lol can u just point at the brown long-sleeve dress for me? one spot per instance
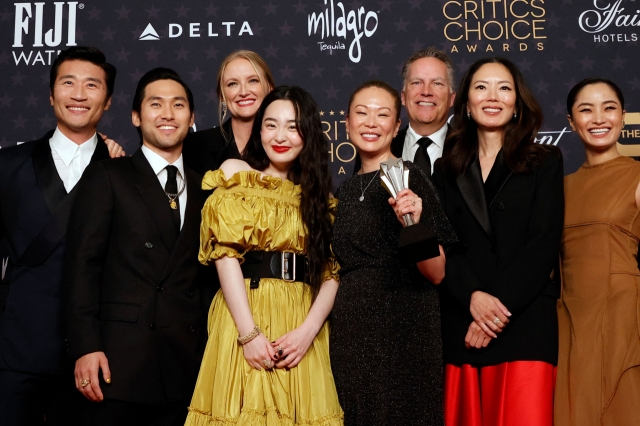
(598, 380)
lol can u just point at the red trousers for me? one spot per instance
(516, 393)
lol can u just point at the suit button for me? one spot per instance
(148, 245)
(159, 288)
(500, 207)
(192, 329)
(153, 326)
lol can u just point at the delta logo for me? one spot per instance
(195, 30)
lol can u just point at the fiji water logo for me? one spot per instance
(334, 21)
(602, 17)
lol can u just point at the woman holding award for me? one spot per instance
(386, 353)
(598, 380)
(504, 197)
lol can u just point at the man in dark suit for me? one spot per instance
(135, 303)
(37, 181)
(427, 94)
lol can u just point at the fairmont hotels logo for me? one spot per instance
(336, 23)
(608, 22)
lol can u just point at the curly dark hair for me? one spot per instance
(310, 170)
(520, 152)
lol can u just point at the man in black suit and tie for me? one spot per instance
(427, 94)
(37, 181)
(135, 302)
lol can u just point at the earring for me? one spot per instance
(469, 115)
(224, 109)
(515, 115)
(623, 124)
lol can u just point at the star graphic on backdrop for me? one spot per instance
(301, 50)
(122, 140)
(587, 64)
(182, 11)
(300, 7)
(385, 5)
(321, 113)
(17, 78)
(181, 54)
(463, 65)
(123, 13)
(618, 62)
(417, 45)
(94, 13)
(152, 54)
(136, 75)
(415, 4)
(316, 71)
(211, 52)
(431, 24)
(44, 78)
(47, 121)
(555, 64)
(211, 96)
(270, 9)
(373, 69)
(5, 101)
(106, 120)
(241, 9)
(32, 100)
(286, 72)
(123, 55)
(341, 112)
(553, 20)
(257, 30)
(135, 34)
(446, 45)
(346, 70)
(196, 75)
(211, 10)
(4, 57)
(152, 12)
(542, 86)
(387, 47)
(558, 108)
(272, 50)
(332, 93)
(355, 5)
(19, 122)
(569, 84)
(569, 42)
(332, 113)
(80, 34)
(635, 85)
(285, 29)
(107, 34)
(401, 25)
(121, 98)
(525, 65)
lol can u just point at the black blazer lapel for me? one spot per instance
(101, 152)
(472, 191)
(46, 174)
(501, 173)
(397, 144)
(155, 199)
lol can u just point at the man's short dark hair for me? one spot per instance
(89, 54)
(431, 52)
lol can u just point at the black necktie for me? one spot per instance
(171, 188)
(422, 158)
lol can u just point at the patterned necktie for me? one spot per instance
(171, 189)
(422, 158)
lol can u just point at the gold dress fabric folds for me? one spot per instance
(253, 212)
(598, 379)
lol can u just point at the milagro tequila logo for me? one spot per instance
(24, 13)
(602, 17)
(334, 21)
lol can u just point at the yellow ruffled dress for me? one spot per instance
(253, 212)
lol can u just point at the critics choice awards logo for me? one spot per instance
(497, 23)
(340, 26)
(606, 21)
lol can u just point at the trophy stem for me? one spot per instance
(408, 219)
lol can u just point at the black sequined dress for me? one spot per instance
(385, 344)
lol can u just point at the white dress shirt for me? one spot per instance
(159, 164)
(70, 158)
(434, 150)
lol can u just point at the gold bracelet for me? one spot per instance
(243, 340)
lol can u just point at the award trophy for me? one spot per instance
(416, 242)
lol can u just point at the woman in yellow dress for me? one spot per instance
(267, 227)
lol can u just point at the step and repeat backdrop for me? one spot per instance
(328, 47)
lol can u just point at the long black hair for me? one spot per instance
(310, 170)
(520, 152)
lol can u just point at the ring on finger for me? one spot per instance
(267, 363)
(279, 348)
(496, 321)
(85, 382)
(413, 202)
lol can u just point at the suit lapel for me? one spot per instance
(46, 174)
(472, 190)
(398, 143)
(156, 200)
(498, 177)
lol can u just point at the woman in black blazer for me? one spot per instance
(244, 79)
(503, 195)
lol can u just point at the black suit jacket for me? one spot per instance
(34, 214)
(207, 149)
(509, 246)
(132, 288)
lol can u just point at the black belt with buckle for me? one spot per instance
(280, 265)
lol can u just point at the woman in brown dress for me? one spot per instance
(598, 381)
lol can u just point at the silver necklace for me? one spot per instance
(363, 190)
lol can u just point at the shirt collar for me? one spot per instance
(437, 137)
(66, 148)
(158, 163)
